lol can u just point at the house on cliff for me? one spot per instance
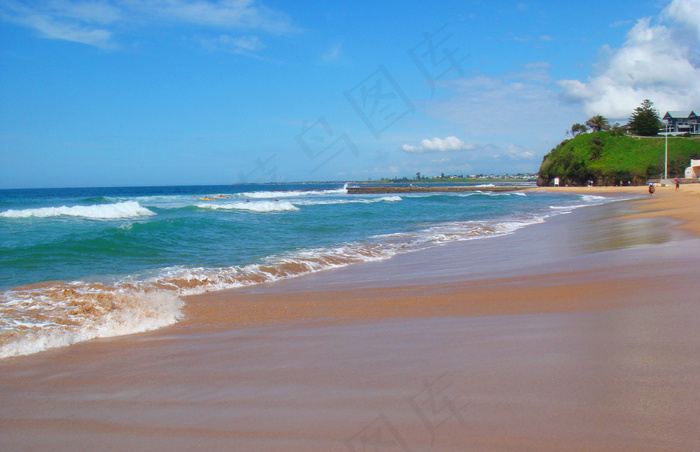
(682, 122)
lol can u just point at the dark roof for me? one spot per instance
(680, 114)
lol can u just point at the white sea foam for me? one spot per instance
(192, 281)
(586, 201)
(279, 206)
(567, 208)
(294, 193)
(255, 206)
(314, 202)
(479, 229)
(50, 323)
(594, 199)
(127, 209)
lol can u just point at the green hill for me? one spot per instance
(607, 159)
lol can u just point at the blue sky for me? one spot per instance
(179, 92)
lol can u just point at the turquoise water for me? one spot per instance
(82, 263)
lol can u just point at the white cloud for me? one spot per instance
(75, 22)
(685, 13)
(96, 23)
(658, 62)
(523, 104)
(516, 152)
(512, 119)
(92, 12)
(620, 23)
(438, 145)
(334, 55)
(221, 14)
(238, 45)
(50, 28)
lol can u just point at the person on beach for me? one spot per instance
(678, 183)
(651, 189)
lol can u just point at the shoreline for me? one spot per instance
(257, 305)
(682, 205)
(584, 339)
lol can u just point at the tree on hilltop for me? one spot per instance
(598, 123)
(645, 120)
(578, 128)
(618, 130)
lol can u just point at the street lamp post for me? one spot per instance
(666, 154)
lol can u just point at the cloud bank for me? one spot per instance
(438, 145)
(659, 60)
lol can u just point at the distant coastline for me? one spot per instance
(429, 188)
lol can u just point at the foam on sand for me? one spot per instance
(62, 315)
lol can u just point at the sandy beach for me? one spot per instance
(586, 340)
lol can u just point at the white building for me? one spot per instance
(693, 171)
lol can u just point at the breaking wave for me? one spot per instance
(127, 209)
(48, 315)
(55, 314)
(294, 193)
(37, 319)
(254, 206)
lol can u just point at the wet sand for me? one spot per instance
(577, 334)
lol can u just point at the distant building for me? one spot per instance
(682, 122)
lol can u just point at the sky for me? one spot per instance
(199, 92)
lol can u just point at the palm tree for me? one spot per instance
(598, 123)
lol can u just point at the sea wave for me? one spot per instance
(460, 231)
(127, 209)
(313, 202)
(62, 313)
(48, 315)
(281, 206)
(37, 319)
(254, 206)
(594, 199)
(586, 201)
(294, 193)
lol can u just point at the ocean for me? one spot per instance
(82, 263)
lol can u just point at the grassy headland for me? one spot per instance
(607, 158)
